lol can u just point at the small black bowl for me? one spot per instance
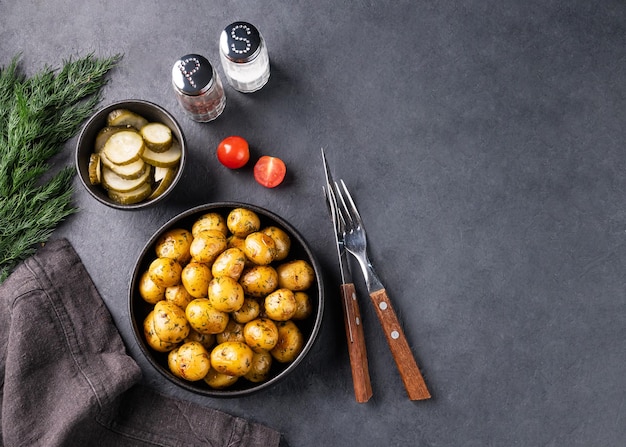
(139, 309)
(85, 146)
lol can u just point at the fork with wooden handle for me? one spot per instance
(355, 241)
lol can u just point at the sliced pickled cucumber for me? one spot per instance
(134, 159)
(112, 181)
(124, 117)
(157, 136)
(161, 173)
(94, 169)
(104, 134)
(128, 171)
(124, 147)
(132, 196)
(166, 159)
(164, 178)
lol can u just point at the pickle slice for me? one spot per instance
(94, 169)
(124, 117)
(132, 196)
(124, 147)
(103, 135)
(112, 181)
(164, 177)
(167, 159)
(129, 171)
(157, 136)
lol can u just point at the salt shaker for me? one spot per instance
(198, 88)
(244, 57)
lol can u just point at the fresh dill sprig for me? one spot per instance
(37, 116)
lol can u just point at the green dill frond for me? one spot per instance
(37, 116)
(9, 77)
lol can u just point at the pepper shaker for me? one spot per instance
(198, 88)
(244, 57)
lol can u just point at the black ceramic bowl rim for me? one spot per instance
(150, 111)
(138, 308)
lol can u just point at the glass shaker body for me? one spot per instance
(198, 88)
(244, 57)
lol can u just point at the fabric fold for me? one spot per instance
(67, 379)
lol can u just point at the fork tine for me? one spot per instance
(341, 220)
(342, 208)
(331, 192)
(333, 210)
(349, 209)
(353, 209)
(331, 200)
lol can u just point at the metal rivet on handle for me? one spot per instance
(395, 335)
(382, 305)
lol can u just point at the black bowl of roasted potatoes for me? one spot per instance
(130, 154)
(226, 299)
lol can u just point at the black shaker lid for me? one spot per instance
(240, 42)
(192, 74)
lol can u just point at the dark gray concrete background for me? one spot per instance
(484, 142)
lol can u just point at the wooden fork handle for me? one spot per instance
(409, 371)
(356, 344)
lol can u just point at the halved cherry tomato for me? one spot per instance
(233, 152)
(269, 171)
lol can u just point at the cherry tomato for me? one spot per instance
(269, 171)
(233, 152)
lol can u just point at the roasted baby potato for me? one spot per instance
(233, 332)
(207, 245)
(295, 275)
(165, 272)
(290, 342)
(235, 241)
(241, 222)
(190, 361)
(196, 277)
(150, 291)
(232, 358)
(209, 221)
(260, 368)
(259, 280)
(204, 318)
(206, 340)
(280, 305)
(281, 241)
(304, 306)
(230, 262)
(259, 248)
(226, 294)
(261, 334)
(178, 295)
(151, 337)
(248, 312)
(218, 380)
(174, 244)
(239, 242)
(170, 323)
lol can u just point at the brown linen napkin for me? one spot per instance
(66, 377)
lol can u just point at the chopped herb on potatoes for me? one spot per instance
(248, 304)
